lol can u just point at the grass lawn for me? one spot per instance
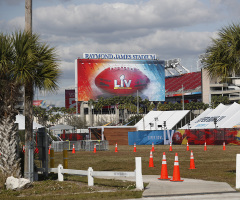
(213, 164)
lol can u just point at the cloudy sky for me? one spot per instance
(168, 28)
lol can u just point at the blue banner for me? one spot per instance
(146, 137)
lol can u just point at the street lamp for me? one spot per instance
(151, 125)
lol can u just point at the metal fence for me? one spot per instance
(87, 145)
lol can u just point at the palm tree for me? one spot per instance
(34, 66)
(9, 161)
(222, 57)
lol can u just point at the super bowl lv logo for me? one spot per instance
(123, 83)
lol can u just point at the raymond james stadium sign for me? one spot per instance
(119, 56)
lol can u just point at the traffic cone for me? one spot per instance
(151, 160)
(176, 171)
(73, 150)
(192, 164)
(49, 148)
(205, 146)
(23, 149)
(134, 148)
(116, 148)
(94, 149)
(170, 148)
(224, 147)
(187, 147)
(153, 147)
(164, 173)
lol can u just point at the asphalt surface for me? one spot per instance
(187, 189)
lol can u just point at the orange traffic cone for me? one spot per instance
(94, 149)
(224, 147)
(116, 149)
(192, 164)
(176, 171)
(170, 148)
(73, 150)
(153, 147)
(205, 146)
(23, 149)
(49, 148)
(151, 160)
(187, 147)
(164, 173)
(134, 148)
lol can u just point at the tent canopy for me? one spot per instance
(223, 116)
(155, 119)
(61, 127)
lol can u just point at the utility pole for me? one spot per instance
(28, 16)
(28, 107)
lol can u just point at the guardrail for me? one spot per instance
(91, 174)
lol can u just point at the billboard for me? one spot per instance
(70, 101)
(39, 102)
(97, 78)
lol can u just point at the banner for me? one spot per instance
(210, 136)
(146, 137)
(192, 136)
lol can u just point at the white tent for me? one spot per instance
(20, 119)
(155, 119)
(58, 129)
(225, 116)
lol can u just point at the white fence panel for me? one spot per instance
(90, 173)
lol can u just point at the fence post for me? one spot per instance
(65, 159)
(60, 175)
(90, 178)
(138, 173)
(238, 171)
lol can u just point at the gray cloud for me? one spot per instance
(169, 28)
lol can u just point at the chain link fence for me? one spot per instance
(86, 145)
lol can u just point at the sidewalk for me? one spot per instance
(163, 189)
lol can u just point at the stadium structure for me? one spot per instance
(181, 84)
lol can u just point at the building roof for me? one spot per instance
(154, 120)
(226, 116)
(61, 127)
(20, 119)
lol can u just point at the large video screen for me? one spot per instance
(97, 78)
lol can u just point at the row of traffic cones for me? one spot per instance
(205, 146)
(134, 148)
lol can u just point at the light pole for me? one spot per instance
(215, 122)
(137, 104)
(164, 125)
(182, 98)
(156, 119)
